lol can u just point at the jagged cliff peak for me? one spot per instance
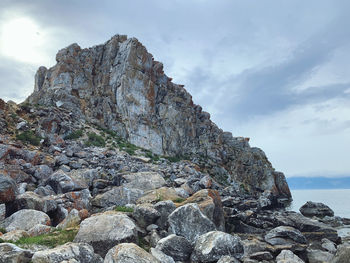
(120, 86)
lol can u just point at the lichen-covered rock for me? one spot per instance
(106, 230)
(165, 208)
(179, 248)
(188, 221)
(287, 256)
(211, 246)
(129, 253)
(62, 183)
(14, 235)
(161, 256)
(120, 86)
(145, 215)
(143, 180)
(228, 259)
(311, 209)
(72, 220)
(319, 256)
(8, 189)
(69, 251)
(284, 235)
(117, 196)
(10, 253)
(343, 254)
(30, 200)
(25, 219)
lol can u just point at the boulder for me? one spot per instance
(14, 235)
(117, 196)
(228, 259)
(10, 253)
(105, 230)
(143, 180)
(211, 246)
(161, 256)
(72, 220)
(161, 194)
(8, 189)
(42, 172)
(179, 248)
(145, 215)
(311, 209)
(72, 252)
(165, 208)
(287, 256)
(39, 230)
(188, 221)
(61, 183)
(318, 256)
(25, 219)
(284, 235)
(343, 254)
(209, 202)
(328, 245)
(30, 200)
(129, 253)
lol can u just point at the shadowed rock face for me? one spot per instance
(120, 86)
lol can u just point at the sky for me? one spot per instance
(274, 71)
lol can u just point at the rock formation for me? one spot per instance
(119, 86)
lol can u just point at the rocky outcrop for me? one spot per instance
(119, 85)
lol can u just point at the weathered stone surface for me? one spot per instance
(42, 172)
(105, 230)
(145, 215)
(212, 246)
(62, 183)
(328, 245)
(72, 220)
(209, 202)
(318, 256)
(311, 209)
(30, 200)
(154, 196)
(39, 230)
(228, 259)
(10, 253)
(129, 253)
(343, 254)
(143, 180)
(188, 221)
(161, 256)
(287, 256)
(14, 235)
(25, 219)
(119, 196)
(284, 235)
(69, 251)
(165, 208)
(179, 248)
(8, 189)
(121, 87)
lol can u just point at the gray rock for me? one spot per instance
(117, 196)
(311, 209)
(143, 180)
(105, 230)
(2, 211)
(343, 254)
(318, 256)
(14, 235)
(188, 221)
(42, 172)
(228, 259)
(287, 256)
(129, 253)
(212, 246)
(62, 183)
(145, 215)
(284, 235)
(328, 245)
(260, 256)
(39, 230)
(8, 189)
(69, 251)
(161, 256)
(10, 253)
(179, 248)
(30, 200)
(165, 208)
(25, 219)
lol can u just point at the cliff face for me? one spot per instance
(118, 85)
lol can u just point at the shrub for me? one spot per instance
(95, 140)
(74, 135)
(124, 209)
(3, 230)
(29, 137)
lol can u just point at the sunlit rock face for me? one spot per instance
(120, 86)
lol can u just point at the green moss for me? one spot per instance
(142, 243)
(95, 140)
(3, 230)
(124, 209)
(52, 239)
(29, 137)
(173, 159)
(74, 135)
(179, 200)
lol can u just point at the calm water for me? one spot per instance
(337, 199)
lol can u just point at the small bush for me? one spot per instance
(3, 230)
(74, 135)
(95, 140)
(124, 209)
(29, 137)
(53, 239)
(173, 159)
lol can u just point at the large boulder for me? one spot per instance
(143, 180)
(61, 183)
(10, 253)
(343, 254)
(72, 252)
(188, 221)
(179, 248)
(209, 202)
(117, 196)
(105, 230)
(319, 256)
(311, 209)
(156, 195)
(287, 256)
(211, 246)
(31, 200)
(165, 208)
(25, 219)
(129, 253)
(8, 189)
(285, 235)
(161, 256)
(145, 215)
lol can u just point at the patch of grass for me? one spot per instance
(74, 135)
(173, 159)
(95, 140)
(179, 200)
(159, 198)
(52, 239)
(128, 147)
(124, 209)
(3, 230)
(142, 243)
(29, 137)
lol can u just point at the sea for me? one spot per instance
(337, 199)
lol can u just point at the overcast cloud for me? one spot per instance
(275, 71)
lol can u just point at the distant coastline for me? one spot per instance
(303, 183)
